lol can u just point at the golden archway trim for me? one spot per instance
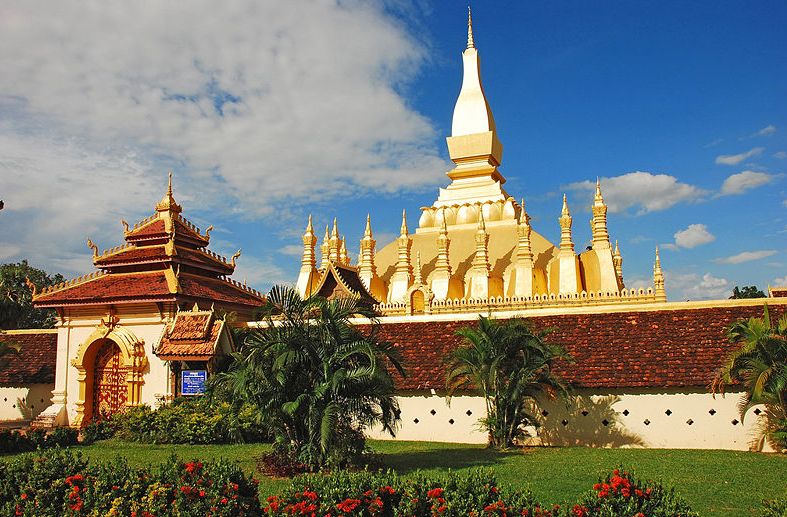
(132, 350)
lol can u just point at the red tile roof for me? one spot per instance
(108, 288)
(150, 229)
(133, 255)
(193, 335)
(35, 364)
(218, 290)
(660, 349)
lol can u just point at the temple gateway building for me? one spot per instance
(148, 324)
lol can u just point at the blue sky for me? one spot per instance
(269, 111)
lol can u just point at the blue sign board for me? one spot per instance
(193, 382)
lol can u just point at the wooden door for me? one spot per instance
(110, 389)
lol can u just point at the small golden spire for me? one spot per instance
(598, 199)
(403, 229)
(523, 217)
(658, 259)
(658, 279)
(418, 277)
(327, 235)
(481, 223)
(565, 207)
(167, 203)
(470, 42)
(309, 228)
(335, 231)
(367, 233)
(617, 250)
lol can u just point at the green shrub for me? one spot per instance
(62, 437)
(775, 507)
(620, 493)
(62, 483)
(97, 430)
(189, 420)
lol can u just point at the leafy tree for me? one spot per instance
(316, 379)
(759, 366)
(16, 306)
(512, 367)
(6, 350)
(748, 291)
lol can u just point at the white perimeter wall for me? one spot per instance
(696, 420)
(24, 403)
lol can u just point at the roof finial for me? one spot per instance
(470, 42)
(169, 184)
(403, 229)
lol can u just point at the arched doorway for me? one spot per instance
(110, 388)
(110, 366)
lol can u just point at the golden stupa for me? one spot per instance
(474, 248)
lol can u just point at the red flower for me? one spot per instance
(348, 505)
(307, 493)
(202, 493)
(435, 493)
(387, 490)
(185, 489)
(23, 496)
(579, 511)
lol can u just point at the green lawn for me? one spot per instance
(713, 482)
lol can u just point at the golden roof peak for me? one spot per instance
(335, 231)
(367, 233)
(168, 203)
(309, 228)
(403, 229)
(565, 210)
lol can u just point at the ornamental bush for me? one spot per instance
(189, 420)
(621, 494)
(775, 507)
(14, 441)
(63, 483)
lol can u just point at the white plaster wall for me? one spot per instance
(437, 427)
(625, 414)
(24, 403)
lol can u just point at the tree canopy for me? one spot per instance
(16, 305)
(747, 291)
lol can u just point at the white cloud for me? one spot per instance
(256, 105)
(260, 274)
(743, 181)
(766, 131)
(746, 256)
(690, 286)
(735, 159)
(693, 236)
(295, 250)
(781, 155)
(779, 282)
(646, 191)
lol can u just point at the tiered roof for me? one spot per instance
(193, 336)
(35, 362)
(164, 258)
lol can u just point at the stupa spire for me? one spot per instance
(658, 279)
(334, 243)
(325, 249)
(402, 278)
(599, 222)
(565, 228)
(308, 274)
(523, 265)
(479, 270)
(470, 42)
(617, 261)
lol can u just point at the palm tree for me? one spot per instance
(759, 365)
(512, 367)
(316, 379)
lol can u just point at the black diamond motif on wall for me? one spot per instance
(433, 412)
(605, 422)
(757, 411)
(451, 421)
(544, 413)
(734, 421)
(668, 412)
(564, 422)
(689, 421)
(584, 412)
(416, 421)
(646, 422)
(712, 411)
(625, 412)
(468, 412)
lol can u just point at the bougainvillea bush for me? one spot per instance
(64, 483)
(622, 494)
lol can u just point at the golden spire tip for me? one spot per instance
(470, 42)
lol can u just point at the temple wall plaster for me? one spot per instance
(715, 422)
(25, 402)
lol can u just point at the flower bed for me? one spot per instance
(476, 494)
(63, 483)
